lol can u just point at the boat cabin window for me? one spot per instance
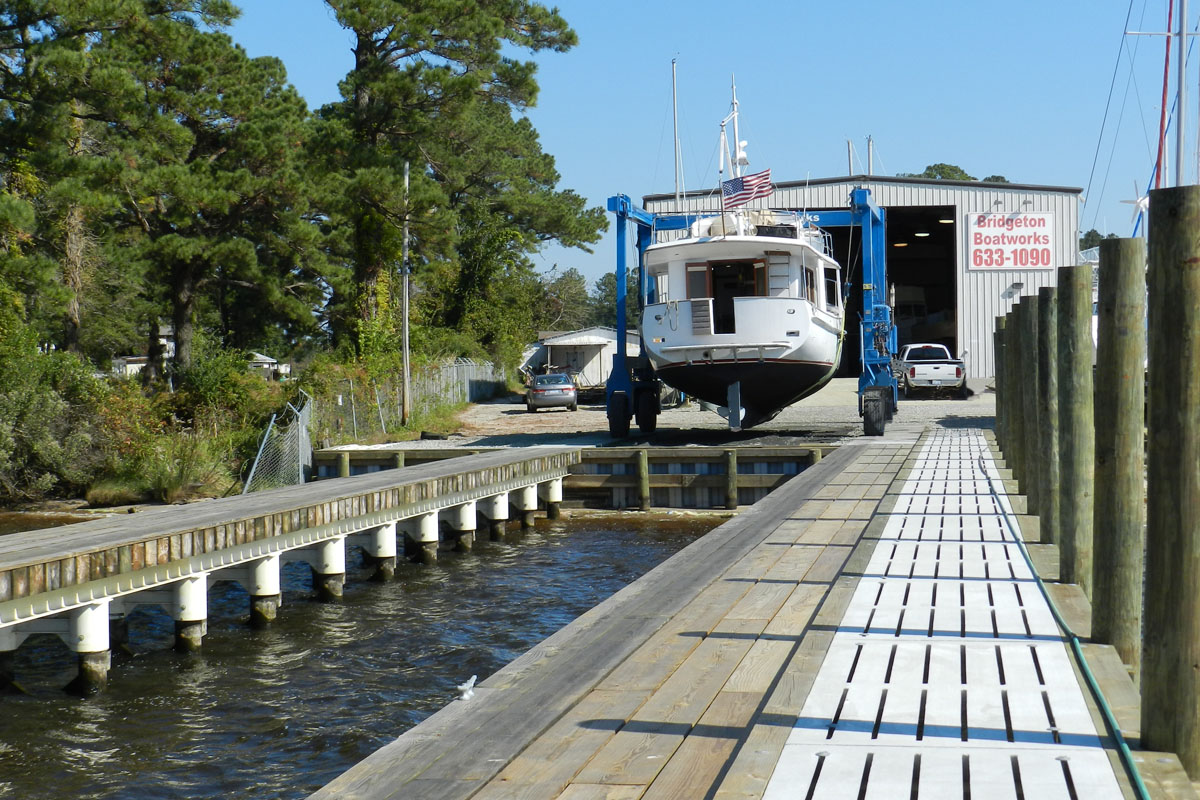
(833, 297)
(697, 281)
(659, 286)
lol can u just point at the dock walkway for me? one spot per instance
(871, 629)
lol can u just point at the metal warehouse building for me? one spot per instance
(960, 253)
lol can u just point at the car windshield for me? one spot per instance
(552, 380)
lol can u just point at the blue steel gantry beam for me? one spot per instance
(877, 388)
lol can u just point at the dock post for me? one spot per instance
(731, 480)
(998, 345)
(1076, 432)
(495, 510)
(1014, 431)
(462, 521)
(425, 535)
(814, 456)
(1050, 489)
(88, 637)
(380, 550)
(1118, 529)
(643, 474)
(264, 589)
(553, 490)
(1031, 427)
(1171, 650)
(524, 500)
(344, 464)
(329, 569)
(398, 459)
(190, 610)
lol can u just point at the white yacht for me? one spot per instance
(745, 311)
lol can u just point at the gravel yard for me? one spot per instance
(828, 417)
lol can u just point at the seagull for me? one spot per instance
(466, 690)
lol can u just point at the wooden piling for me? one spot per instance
(1014, 447)
(1031, 444)
(344, 464)
(1050, 492)
(643, 474)
(731, 479)
(398, 459)
(1076, 435)
(998, 344)
(1118, 528)
(1171, 649)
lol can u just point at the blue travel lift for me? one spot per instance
(633, 389)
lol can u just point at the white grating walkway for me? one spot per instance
(947, 677)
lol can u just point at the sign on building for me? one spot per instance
(1010, 241)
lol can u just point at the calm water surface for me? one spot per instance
(279, 713)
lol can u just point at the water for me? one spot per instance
(279, 713)
(18, 521)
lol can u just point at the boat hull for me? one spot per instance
(767, 387)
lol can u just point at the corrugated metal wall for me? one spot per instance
(983, 295)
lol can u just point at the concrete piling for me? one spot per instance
(265, 593)
(1119, 534)
(462, 523)
(190, 612)
(89, 639)
(1076, 431)
(495, 511)
(525, 502)
(329, 570)
(1171, 638)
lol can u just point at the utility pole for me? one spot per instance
(406, 406)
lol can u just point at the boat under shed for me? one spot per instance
(959, 253)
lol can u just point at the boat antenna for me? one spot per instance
(675, 115)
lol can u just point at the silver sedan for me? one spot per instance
(551, 391)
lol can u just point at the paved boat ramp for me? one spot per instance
(871, 629)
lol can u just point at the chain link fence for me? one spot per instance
(359, 410)
(285, 454)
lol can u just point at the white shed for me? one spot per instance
(586, 353)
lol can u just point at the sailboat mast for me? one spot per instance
(1181, 113)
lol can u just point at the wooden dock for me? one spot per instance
(69, 581)
(871, 629)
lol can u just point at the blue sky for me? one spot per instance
(1018, 89)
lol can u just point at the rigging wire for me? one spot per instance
(1108, 102)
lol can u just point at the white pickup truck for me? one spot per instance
(930, 366)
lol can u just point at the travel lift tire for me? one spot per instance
(647, 412)
(874, 413)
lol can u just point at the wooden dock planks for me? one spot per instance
(711, 642)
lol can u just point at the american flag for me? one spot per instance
(741, 190)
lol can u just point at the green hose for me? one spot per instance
(1110, 720)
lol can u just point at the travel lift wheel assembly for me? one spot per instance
(633, 389)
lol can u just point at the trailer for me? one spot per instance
(633, 388)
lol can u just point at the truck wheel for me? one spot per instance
(963, 392)
(874, 416)
(647, 414)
